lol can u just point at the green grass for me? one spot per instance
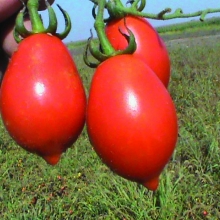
(193, 28)
(81, 187)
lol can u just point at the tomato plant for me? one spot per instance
(131, 119)
(150, 46)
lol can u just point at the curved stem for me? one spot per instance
(100, 29)
(179, 14)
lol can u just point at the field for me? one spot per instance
(81, 187)
(193, 28)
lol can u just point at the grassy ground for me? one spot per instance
(81, 187)
(207, 24)
(190, 29)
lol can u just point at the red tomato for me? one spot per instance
(131, 119)
(42, 98)
(150, 46)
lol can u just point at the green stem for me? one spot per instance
(107, 50)
(116, 9)
(136, 2)
(37, 25)
(100, 29)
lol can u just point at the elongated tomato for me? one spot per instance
(42, 99)
(150, 46)
(131, 119)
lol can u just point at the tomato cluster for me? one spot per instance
(131, 118)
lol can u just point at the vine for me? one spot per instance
(116, 8)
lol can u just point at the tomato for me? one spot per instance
(150, 46)
(131, 119)
(42, 99)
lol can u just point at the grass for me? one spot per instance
(81, 187)
(208, 24)
(190, 29)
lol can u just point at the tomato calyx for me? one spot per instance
(105, 50)
(20, 31)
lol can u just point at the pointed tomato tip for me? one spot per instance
(52, 160)
(152, 184)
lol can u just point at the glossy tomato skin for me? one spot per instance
(131, 120)
(42, 99)
(150, 46)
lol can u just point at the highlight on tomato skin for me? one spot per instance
(150, 46)
(131, 120)
(42, 98)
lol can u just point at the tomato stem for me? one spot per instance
(105, 49)
(36, 22)
(117, 10)
(100, 29)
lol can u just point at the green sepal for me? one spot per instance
(19, 25)
(20, 31)
(68, 24)
(52, 27)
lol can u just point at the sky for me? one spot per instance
(82, 20)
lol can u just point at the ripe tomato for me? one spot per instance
(131, 119)
(42, 99)
(150, 46)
